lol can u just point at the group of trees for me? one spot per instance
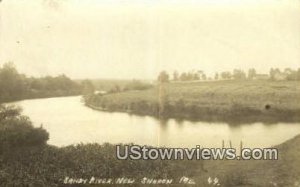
(184, 76)
(17, 130)
(200, 75)
(132, 85)
(236, 74)
(287, 74)
(14, 86)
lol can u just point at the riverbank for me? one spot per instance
(216, 101)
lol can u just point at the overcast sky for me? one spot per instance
(137, 39)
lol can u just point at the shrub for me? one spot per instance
(17, 130)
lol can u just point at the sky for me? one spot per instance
(136, 39)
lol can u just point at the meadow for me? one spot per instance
(230, 101)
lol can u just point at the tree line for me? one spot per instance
(15, 86)
(236, 74)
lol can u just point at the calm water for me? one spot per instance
(69, 122)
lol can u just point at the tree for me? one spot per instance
(216, 76)
(17, 130)
(273, 73)
(251, 73)
(291, 74)
(12, 84)
(183, 77)
(203, 76)
(190, 76)
(226, 75)
(175, 76)
(239, 74)
(163, 76)
(288, 71)
(196, 76)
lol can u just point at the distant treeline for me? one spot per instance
(116, 86)
(236, 74)
(16, 86)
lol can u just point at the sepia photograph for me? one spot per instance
(149, 93)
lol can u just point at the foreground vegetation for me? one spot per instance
(27, 160)
(230, 101)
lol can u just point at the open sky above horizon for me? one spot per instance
(126, 39)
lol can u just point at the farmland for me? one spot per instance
(231, 101)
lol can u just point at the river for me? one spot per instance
(68, 121)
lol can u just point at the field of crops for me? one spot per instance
(215, 100)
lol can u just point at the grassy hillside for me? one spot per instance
(267, 101)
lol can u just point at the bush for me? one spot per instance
(17, 130)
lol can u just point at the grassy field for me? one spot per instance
(239, 101)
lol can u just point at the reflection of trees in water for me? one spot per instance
(163, 122)
(179, 122)
(162, 133)
(166, 129)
